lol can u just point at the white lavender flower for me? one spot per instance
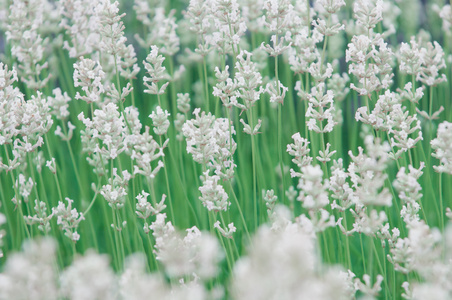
(213, 195)
(248, 81)
(300, 151)
(412, 96)
(70, 132)
(161, 27)
(368, 13)
(59, 104)
(276, 12)
(160, 120)
(446, 16)
(230, 26)
(36, 121)
(372, 67)
(89, 277)
(225, 87)
(210, 142)
(31, 274)
(197, 254)
(401, 126)
(51, 165)
(284, 264)
(367, 221)
(115, 192)
(442, 145)
(270, 200)
(277, 92)
(199, 14)
(367, 173)
(107, 127)
(111, 29)
(183, 102)
(303, 51)
(379, 117)
(340, 188)
(89, 75)
(80, 22)
(338, 85)
(145, 151)
(27, 44)
(408, 185)
(136, 284)
(157, 73)
(226, 232)
(313, 195)
(367, 288)
(325, 156)
(11, 100)
(320, 108)
(68, 219)
(417, 252)
(41, 218)
(200, 137)
(433, 62)
(410, 57)
(24, 186)
(144, 209)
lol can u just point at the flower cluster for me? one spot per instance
(213, 196)
(197, 254)
(320, 108)
(157, 72)
(68, 219)
(210, 142)
(89, 75)
(442, 145)
(107, 127)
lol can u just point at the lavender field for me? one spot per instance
(225, 149)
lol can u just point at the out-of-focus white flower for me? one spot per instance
(367, 288)
(197, 254)
(284, 265)
(90, 278)
(410, 57)
(31, 274)
(433, 62)
(367, 173)
(368, 13)
(59, 104)
(24, 34)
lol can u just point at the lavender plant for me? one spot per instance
(225, 149)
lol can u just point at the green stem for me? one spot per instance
(281, 165)
(240, 211)
(441, 201)
(362, 253)
(168, 187)
(253, 157)
(206, 86)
